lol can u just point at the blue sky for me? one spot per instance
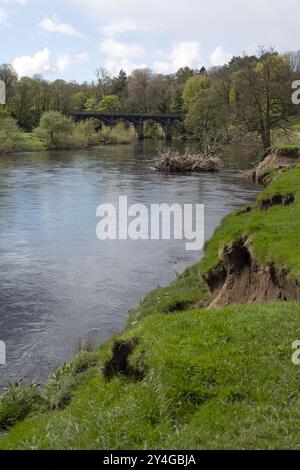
(70, 39)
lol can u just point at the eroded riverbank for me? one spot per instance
(57, 281)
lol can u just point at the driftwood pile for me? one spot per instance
(174, 162)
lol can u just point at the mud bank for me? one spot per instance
(273, 165)
(241, 279)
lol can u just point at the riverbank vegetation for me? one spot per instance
(183, 376)
(58, 132)
(118, 134)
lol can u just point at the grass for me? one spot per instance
(215, 380)
(208, 379)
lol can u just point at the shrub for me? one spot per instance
(55, 129)
(119, 134)
(13, 139)
(84, 135)
(84, 361)
(16, 402)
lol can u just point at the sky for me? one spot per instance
(70, 39)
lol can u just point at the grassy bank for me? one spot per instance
(181, 376)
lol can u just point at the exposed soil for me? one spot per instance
(277, 200)
(179, 306)
(240, 279)
(246, 210)
(277, 162)
(119, 363)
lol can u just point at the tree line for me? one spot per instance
(250, 95)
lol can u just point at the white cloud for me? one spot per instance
(37, 64)
(121, 50)
(114, 66)
(219, 57)
(126, 26)
(120, 55)
(54, 26)
(185, 53)
(231, 23)
(64, 61)
(41, 63)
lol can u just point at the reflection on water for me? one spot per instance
(58, 282)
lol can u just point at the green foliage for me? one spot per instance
(214, 380)
(185, 291)
(91, 104)
(59, 390)
(83, 361)
(55, 132)
(84, 135)
(151, 130)
(193, 87)
(79, 100)
(119, 134)
(32, 143)
(207, 119)
(20, 401)
(60, 132)
(109, 104)
(13, 139)
(184, 73)
(238, 91)
(55, 129)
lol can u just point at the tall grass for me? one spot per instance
(119, 134)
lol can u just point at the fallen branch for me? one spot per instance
(176, 163)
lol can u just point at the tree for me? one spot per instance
(159, 94)
(119, 84)
(262, 93)
(109, 104)
(184, 73)
(54, 127)
(138, 91)
(193, 87)
(23, 103)
(10, 135)
(91, 104)
(104, 83)
(207, 119)
(78, 101)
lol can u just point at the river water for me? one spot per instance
(58, 282)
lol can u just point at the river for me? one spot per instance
(58, 282)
